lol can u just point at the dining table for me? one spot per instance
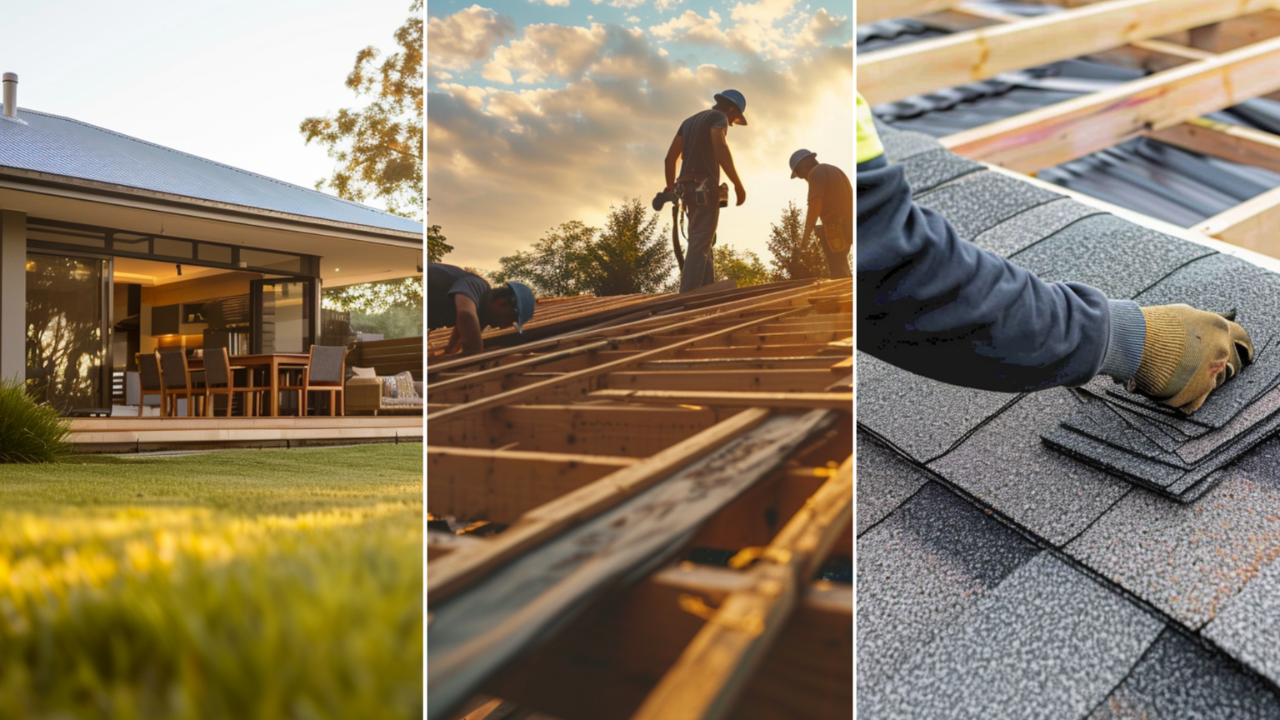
(271, 363)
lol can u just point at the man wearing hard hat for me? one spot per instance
(701, 141)
(464, 301)
(830, 198)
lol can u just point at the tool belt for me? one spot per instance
(838, 235)
(701, 193)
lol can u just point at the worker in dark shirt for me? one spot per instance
(464, 301)
(831, 199)
(701, 140)
(939, 306)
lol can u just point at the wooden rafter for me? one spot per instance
(874, 10)
(1057, 133)
(895, 73)
(1254, 224)
(1229, 142)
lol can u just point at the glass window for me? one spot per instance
(128, 242)
(67, 237)
(214, 253)
(174, 248)
(264, 260)
(66, 347)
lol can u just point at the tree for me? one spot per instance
(790, 260)
(558, 265)
(631, 255)
(376, 297)
(400, 321)
(379, 147)
(437, 248)
(743, 267)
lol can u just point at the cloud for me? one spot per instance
(455, 41)
(555, 3)
(754, 28)
(692, 27)
(547, 51)
(507, 163)
(665, 5)
(822, 27)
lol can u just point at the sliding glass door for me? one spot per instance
(284, 315)
(68, 331)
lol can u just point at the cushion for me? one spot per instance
(390, 388)
(362, 372)
(404, 385)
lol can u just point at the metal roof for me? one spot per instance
(62, 146)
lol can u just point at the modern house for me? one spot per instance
(111, 246)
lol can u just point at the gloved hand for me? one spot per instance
(1188, 353)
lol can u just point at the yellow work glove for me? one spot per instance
(1188, 353)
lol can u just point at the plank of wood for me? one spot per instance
(455, 572)
(843, 367)
(790, 380)
(812, 400)
(479, 631)
(895, 73)
(874, 10)
(441, 543)
(602, 666)
(1229, 142)
(712, 672)
(500, 486)
(1254, 224)
(533, 391)
(1068, 130)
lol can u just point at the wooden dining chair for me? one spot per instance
(149, 380)
(219, 379)
(176, 380)
(324, 373)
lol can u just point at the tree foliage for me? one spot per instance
(741, 266)
(791, 261)
(558, 265)
(379, 147)
(437, 248)
(376, 297)
(631, 255)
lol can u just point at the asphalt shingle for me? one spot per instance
(918, 571)
(1025, 229)
(980, 201)
(1189, 560)
(885, 481)
(1179, 679)
(1005, 465)
(1115, 256)
(1047, 643)
(918, 416)
(901, 145)
(929, 170)
(1248, 627)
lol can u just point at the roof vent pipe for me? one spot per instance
(11, 95)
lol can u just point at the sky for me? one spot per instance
(227, 80)
(544, 111)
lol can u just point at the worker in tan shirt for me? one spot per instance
(831, 199)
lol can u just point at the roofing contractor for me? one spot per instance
(464, 301)
(830, 198)
(701, 140)
(936, 305)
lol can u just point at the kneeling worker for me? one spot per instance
(465, 301)
(830, 198)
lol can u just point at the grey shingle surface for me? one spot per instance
(62, 146)
(1048, 642)
(1005, 465)
(1111, 254)
(980, 201)
(900, 145)
(1179, 679)
(919, 570)
(927, 171)
(1249, 626)
(919, 416)
(885, 481)
(1025, 229)
(1189, 560)
(1220, 283)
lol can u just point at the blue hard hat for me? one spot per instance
(524, 303)
(798, 157)
(736, 98)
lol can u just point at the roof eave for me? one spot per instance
(123, 195)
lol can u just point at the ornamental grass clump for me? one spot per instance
(29, 433)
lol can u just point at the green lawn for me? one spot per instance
(235, 584)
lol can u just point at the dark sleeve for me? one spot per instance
(471, 286)
(941, 307)
(719, 120)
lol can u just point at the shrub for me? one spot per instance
(29, 433)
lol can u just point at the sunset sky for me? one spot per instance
(545, 111)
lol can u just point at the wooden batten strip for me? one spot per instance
(1254, 224)
(874, 10)
(896, 73)
(1057, 133)
(811, 400)
(1229, 142)
(706, 681)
